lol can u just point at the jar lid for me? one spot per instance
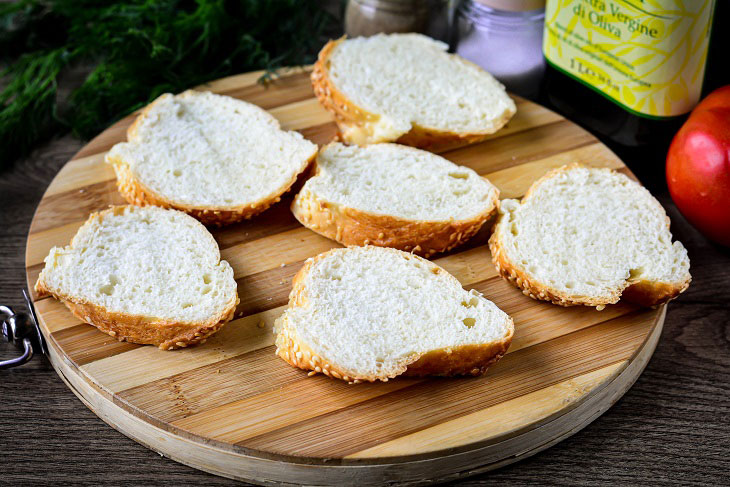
(513, 5)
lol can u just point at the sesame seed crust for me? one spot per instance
(642, 292)
(350, 226)
(453, 361)
(143, 330)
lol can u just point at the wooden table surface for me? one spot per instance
(673, 426)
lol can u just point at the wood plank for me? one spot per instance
(522, 147)
(343, 432)
(295, 402)
(55, 316)
(514, 182)
(79, 173)
(73, 207)
(234, 82)
(529, 115)
(301, 114)
(274, 93)
(116, 372)
(155, 394)
(83, 344)
(219, 382)
(40, 243)
(495, 421)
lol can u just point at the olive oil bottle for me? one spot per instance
(627, 69)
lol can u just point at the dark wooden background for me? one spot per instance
(672, 427)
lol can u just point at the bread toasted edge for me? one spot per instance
(358, 125)
(641, 292)
(136, 193)
(350, 226)
(165, 334)
(472, 359)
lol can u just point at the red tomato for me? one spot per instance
(698, 167)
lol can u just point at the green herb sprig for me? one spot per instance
(137, 50)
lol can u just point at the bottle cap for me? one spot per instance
(513, 5)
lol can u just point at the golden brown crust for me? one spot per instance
(448, 362)
(641, 292)
(648, 293)
(167, 335)
(350, 226)
(136, 193)
(356, 123)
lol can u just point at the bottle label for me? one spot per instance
(646, 55)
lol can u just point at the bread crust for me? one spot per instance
(357, 125)
(350, 226)
(165, 334)
(473, 359)
(642, 292)
(136, 193)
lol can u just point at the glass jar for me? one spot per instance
(368, 17)
(505, 38)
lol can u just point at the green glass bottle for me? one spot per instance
(627, 69)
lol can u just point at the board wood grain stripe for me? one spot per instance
(238, 81)
(301, 115)
(355, 428)
(219, 382)
(84, 343)
(79, 173)
(298, 401)
(529, 332)
(119, 372)
(526, 146)
(276, 219)
(513, 182)
(499, 420)
(72, 207)
(535, 322)
(280, 91)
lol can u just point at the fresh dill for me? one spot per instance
(135, 50)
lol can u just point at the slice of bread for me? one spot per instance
(391, 195)
(372, 313)
(143, 275)
(589, 236)
(407, 88)
(217, 158)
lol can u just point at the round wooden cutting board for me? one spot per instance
(231, 407)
